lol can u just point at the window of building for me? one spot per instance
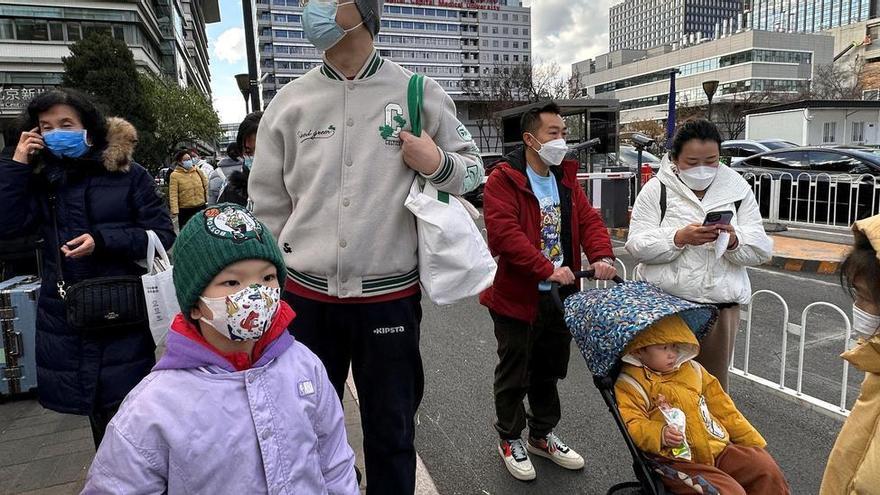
(516, 58)
(516, 44)
(7, 32)
(505, 44)
(56, 31)
(506, 57)
(494, 43)
(516, 31)
(495, 57)
(74, 32)
(494, 29)
(495, 16)
(525, 32)
(504, 17)
(485, 29)
(485, 43)
(504, 31)
(484, 16)
(858, 132)
(829, 132)
(525, 45)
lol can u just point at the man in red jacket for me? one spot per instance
(538, 220)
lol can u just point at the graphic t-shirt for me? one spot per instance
(547, 192)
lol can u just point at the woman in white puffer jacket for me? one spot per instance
(678, 253)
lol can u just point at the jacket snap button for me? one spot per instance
(350, 122)
(342, 243)
(346, 202)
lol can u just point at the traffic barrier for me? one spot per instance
(820, 199)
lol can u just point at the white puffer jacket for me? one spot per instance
(693, 272)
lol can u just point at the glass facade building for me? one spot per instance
(808, 16)
(645, 24)
(166, 37)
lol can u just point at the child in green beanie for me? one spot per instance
(235, 405)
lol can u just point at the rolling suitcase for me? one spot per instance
(18, 317)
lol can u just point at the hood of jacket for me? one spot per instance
(515, 169)
(187, 349)
(728, 186)
(670, 330)
(116, 156)
(865, 356)
(229, 165)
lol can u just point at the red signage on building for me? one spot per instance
(455, 4)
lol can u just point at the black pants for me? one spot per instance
(98, 420)
(380, 341)
(186, 214)
(532, 359)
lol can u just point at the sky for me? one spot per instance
(563, 31)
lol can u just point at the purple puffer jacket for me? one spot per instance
(195, 425)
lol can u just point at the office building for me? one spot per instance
(166, 37)
(645, 24)
(455, 42)
(749, 62)
(808, 16)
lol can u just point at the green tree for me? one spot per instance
(104, 68)
(182, 115)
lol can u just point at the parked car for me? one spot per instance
(489, 162)
(817, 185)
(737, 149)
(629, 157)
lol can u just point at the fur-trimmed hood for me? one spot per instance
(122, 139)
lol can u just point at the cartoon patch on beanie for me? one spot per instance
(232, 222)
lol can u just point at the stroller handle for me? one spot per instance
(554, 286)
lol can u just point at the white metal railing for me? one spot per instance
(820, 199)
(840, 409)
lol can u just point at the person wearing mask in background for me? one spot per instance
(188, 190)
(228, 165)
(74, 168)
(854, 464)
(235, 190)
(200, 163)
(538, 222)
(334, 164)
(677, 252)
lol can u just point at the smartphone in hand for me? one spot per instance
(718, 218)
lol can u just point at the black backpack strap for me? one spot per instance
(662, 201)
(737, 205)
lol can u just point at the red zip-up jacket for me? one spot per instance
(513, 220)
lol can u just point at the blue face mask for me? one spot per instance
(319, 23)
(187, 164)
(66, 143)
(248, 162)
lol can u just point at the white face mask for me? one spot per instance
(552, 152)
(698, 178)
(864, 324)
(245, 315)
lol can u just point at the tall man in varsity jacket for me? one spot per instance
(333, 167)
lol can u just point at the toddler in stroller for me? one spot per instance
(640, 343)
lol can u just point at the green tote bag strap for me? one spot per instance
(414, 98)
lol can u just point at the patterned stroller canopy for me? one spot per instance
(604, 321)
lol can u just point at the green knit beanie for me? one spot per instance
(214, 239)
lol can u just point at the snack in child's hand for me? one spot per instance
(675, 418)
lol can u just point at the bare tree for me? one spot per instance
(838, 81)
(506, 86)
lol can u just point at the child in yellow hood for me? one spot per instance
(725, 450)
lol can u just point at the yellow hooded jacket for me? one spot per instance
(854, 464)
(713, 421)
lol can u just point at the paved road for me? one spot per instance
(457, 443)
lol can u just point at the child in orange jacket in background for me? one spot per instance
(661, 391)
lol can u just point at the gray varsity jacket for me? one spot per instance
(329, 178)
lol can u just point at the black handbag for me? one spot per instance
(100, 304)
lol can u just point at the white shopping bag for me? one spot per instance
(454, 261)
(159, 291)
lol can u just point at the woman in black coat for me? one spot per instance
(104, 204)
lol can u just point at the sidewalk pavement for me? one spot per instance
(810, 250)
(46, 453)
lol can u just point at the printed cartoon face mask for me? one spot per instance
(245, 315)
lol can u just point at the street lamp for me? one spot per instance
(244, 85)
(709, 87)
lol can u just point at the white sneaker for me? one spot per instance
(516, 460)
(554, 449)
